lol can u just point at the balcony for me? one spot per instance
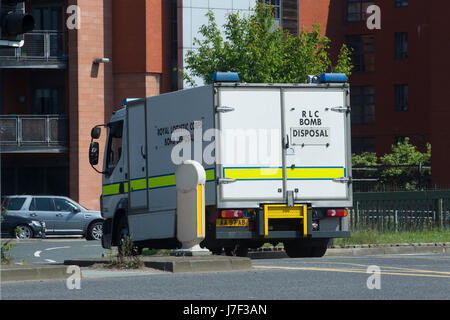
(34, 134)
(42, 49)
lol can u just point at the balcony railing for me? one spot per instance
(29, 133)
(39, 46)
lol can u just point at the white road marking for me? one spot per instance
(37, 254)
(51, 261)
(56, 248)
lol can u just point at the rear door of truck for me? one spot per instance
(248, 147)
(281, 142)
(316, 142)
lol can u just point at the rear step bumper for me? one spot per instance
(269, 212)
(280, 235)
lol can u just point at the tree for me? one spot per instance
(400, 168)
(260, 52)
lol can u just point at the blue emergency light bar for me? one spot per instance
(127, 100)
(333, 77)
(225, 77)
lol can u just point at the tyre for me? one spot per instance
(217, 251)
(306, 249)
(296, 249)
(229, 251)
(318, 251)
(23, 232)
(241, 251)
(320, 248)
(124, 247)
(95, 231)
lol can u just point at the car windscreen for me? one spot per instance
(13, 203)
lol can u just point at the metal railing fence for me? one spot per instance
(42, 130)
(39, 45)
(400, 211)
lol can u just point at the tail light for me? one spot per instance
(337, 212)
(232, 214)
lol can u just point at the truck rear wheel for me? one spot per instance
(306, 249)
(241, 251)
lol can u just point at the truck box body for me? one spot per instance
(260, 145)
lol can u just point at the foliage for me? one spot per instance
(404, 154)
(127, 257)
(260, 52)
(399, 168)
(5, 248)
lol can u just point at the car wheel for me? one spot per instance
(95, 231)
(23, 232)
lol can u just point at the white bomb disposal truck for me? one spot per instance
(277, 159)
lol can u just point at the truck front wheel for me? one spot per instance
(125, 246)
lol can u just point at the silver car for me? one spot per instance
(62, 216)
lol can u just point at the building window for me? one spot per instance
(48, 16)
(357, 9)
(401, 45)
(277, 8)
(363, 144)
(362, 100)
(48, 101)
(401, 3)
(401, 97)
(363, 54)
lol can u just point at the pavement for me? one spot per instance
(192, 264)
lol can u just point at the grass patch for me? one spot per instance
(375, 237)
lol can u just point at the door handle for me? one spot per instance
(286, 146)
(33, 215)
(59, 215)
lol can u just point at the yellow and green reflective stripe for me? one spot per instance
(153, 183)
(161, 181)
(111, 189)
(305, 173)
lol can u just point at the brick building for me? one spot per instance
(399, 82)
(52, 92)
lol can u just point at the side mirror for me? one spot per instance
(76, 210)
(93, 153)
(96, 132)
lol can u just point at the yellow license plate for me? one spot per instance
(232, 222)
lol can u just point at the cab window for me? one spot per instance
(114, 152)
